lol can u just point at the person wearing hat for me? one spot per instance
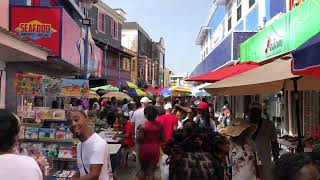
(168, 121)
(265, 138)
(244, 159)
(203, 119)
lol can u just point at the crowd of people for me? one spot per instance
(196, 143)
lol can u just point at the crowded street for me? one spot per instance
(159, 90)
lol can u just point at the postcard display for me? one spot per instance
(44, 133)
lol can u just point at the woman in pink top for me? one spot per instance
(150, 135)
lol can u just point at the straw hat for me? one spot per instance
(237, 127)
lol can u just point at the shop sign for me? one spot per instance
(284, 35)
(75, 87)
(28, 84)
(51, 86)
(41, 25)
(35, 30)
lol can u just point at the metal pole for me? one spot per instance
(86, 48)
(300, 147)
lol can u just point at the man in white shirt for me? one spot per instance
(138, 117)
(93, 157)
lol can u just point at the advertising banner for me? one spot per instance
(28, 84)
(75, 87)
(284, 35)
(41, 25)
(51, 87)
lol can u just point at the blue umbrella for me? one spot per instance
(166, 92)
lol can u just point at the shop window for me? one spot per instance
(251, 3)
(239, 12)
(294, 3)
(252, 20)
(229, 23)
(114, 29)
(101, 22)
(311, 114)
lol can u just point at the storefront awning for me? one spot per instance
(225, 72)
(306, 58)
(271, 77)
(14, 48)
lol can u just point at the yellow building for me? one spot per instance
(167, 77)
(133, 65)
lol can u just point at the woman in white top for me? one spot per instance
(14, 167)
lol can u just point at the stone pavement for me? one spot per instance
(129, 173)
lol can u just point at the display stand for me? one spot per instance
(44, 134)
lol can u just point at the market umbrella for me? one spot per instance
(223, 73)
(151, 89)
(127, 85)
(136, 92)
(182, 89)
(166, 92)
(271, 77)
(93, 94)
(159, 90)
(106, 88)
(117, 95)
(149, 93)
(199, 91)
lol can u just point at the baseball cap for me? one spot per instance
(202, 105)
(145, 100)
(167, 106)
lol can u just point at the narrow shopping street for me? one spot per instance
(159, 90)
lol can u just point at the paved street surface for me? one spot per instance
(129, 173)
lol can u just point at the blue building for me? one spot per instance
(230, 23)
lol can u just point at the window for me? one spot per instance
(229, 23)
(239, 12)
(251, 3)
(114, 29)
(229, 19)
(101, 22)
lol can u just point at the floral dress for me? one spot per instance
(243, 162)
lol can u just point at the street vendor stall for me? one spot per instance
(271, 77)
(44, 133)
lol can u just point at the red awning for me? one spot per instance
(225, 72)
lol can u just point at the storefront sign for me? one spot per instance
(284, 35)
(75, 87)
(51, 87)
(41, 25)
(28, 84)
(35, 30)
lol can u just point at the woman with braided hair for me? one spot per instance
(197, 154)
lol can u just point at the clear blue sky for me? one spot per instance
(178, 21)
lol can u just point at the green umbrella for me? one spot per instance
(106, 88)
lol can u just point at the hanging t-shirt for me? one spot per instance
(94, 150)
(17, 167)
(243, 162)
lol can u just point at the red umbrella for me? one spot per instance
(225, 72)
